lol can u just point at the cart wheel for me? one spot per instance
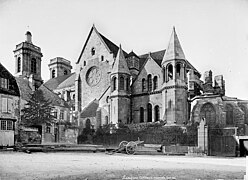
(131, 147)
(122, 145)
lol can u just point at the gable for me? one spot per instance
(95, 40)
(149, 67)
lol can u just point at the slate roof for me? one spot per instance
(25, 89)
(13, 87)
(157, 56)
(120, 64)
(52, 97)
(174, 49)
(131, 54)
(90, 110)
(55, 82)
(69, 82)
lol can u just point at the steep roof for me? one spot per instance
(90, 110)
(120, 64)
(52, 97)
(69, 82)
(131, 54)
(55, 82)
(25, 89)
(13, 87)
(112, 48)
(174, 49)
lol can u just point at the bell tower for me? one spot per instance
(174, 85)
(28, 61)
(120, 90)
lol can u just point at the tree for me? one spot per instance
(37, 111)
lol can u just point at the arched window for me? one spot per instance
(102, 58)
(79, 93)
(114, 79)
(164, 74)
(149, 112)
(93, 51)
(18, 64)
(33, 65)
(208, 113)
(169, 72)
(121, 83)
(141, 114)
(155, 83)
(84, 63)
(127, 84)
(88, 124)
(156, 113)
(53, 73)
(149, 82)
(229, 114)
(65, 72)
(178, 70)
(143, 85)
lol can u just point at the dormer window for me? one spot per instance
(65, 72)
(93, 51)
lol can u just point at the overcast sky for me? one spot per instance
(213, 33)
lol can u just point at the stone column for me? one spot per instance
(203, 136)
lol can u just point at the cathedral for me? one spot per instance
(113, 86)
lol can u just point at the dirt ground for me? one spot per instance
(18, 165)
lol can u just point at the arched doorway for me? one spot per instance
(208, 113)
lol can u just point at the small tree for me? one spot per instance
(37, 111)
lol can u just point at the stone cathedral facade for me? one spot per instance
(113, 86)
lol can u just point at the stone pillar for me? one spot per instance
(203, 136)
(43, 133)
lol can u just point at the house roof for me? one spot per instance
(13, 87)
(52, 97)
(90, 110)
(69, 82)
(120, 64)
(55, 82)
(25, 89)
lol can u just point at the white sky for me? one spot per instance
(213, 33)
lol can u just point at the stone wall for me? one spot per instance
(87, 60)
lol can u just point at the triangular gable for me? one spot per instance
(141, 69)
(111, 47)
